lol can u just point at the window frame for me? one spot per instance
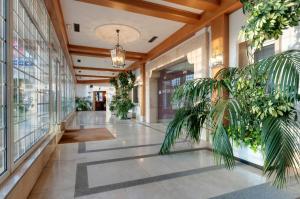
(5, 172)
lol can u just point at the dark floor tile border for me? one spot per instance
(142, 156)
(249, 163)
(246, 162)
(82, 189)
(81, 184)
(264, 190)
(151, 127)
(82, 147)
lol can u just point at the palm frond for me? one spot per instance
(193, 91)
(187, 120)
(225, 113)
(281, 137)
(284, 71)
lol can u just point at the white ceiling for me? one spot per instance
(93, 72)
(99, 62)
(90, 78)
(91, 16)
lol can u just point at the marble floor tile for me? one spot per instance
(129, 166)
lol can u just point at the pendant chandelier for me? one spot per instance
(118, 54)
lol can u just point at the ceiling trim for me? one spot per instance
(98, 69)
(150, 9)
(93, 81)
(96, 76)
(102, 52)
(206, 5)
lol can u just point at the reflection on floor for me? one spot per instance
(129, 167)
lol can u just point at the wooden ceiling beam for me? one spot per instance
(93, 81)
(187, 31)
(150, 9)
(205, 5)
(102, 52)
(95, 76)
(98, 69)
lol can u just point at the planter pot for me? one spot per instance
(248, 154)
(125, 116)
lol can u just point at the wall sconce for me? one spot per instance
(216, 60)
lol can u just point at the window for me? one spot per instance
(3, 146)
(264, 52)
(170, 78)
(175, 82)
(67, 91)
(189, 77)
(30, 72)
(30, 78)
(135, 94)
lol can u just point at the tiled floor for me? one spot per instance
(129, 167)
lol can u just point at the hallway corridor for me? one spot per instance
(129, 167)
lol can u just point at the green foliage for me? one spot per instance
(114, 82)
(83, 104)
(267, 19)
(121, 103)
(258, 110)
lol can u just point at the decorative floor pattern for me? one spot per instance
(263, 191)
(129, 167)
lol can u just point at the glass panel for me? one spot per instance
(169, 79)
(265, 52)
(31, 77)
(3, 146)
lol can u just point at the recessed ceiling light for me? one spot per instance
(79, 71)
(78, 60)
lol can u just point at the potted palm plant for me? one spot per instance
(260, 112)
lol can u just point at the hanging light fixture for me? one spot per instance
(118, 54)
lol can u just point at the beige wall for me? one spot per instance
(195, 49)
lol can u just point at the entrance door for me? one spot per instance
(99, 100)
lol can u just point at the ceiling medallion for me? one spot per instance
(118, 53)
(129, 34)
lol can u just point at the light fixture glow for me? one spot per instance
(118, 54)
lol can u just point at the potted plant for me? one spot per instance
(83, 104)
(253, 106)
(259, 112)
(121, 103)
